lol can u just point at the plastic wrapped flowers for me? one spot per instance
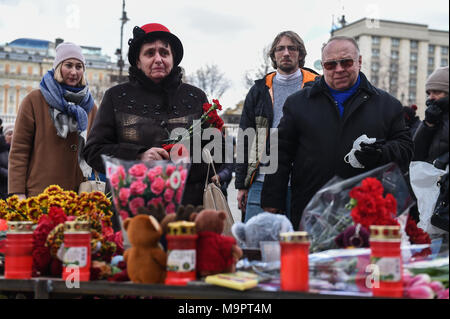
(141, 184)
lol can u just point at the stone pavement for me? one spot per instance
(232, 201)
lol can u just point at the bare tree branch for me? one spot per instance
(265, 67)
(211, 80)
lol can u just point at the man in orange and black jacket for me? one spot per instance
(263, 109)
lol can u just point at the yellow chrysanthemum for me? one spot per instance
(43, 200)
(12, 201)
(32, 202)
(53, 190)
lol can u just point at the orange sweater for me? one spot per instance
(38, 156)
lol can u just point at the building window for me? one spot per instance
(413, 69)
(414, 44)
(412, 97)
(444, 50)
(444, 62)
(429, 72)
(394, 55)
(431, 62)
(375, 53)
(375, 40)
(393, 81)
(431, 48)
(375, 66)
(413, 56)
(2, 68)
(395, 42)
(413, 82)
(394, 67)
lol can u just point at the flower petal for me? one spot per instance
(420, 292)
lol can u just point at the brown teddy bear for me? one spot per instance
(146, 260)
(216, 253)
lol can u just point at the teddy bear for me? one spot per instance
(262, 227)
(216, 253)
(146, 260)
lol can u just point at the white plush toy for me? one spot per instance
(262, 227)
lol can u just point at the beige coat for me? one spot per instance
(38, 156)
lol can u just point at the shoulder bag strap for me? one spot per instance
(210, 163)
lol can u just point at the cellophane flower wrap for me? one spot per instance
(327, 214)
(136, 185)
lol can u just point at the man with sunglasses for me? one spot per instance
(263, 111)
(320, 124)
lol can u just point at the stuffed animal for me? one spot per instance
(216, 253)
(262, 227)
(146, 260)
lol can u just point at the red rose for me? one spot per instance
(135, 203)
(216, 102)
(170, 169)
(137, 187)
(206, 107)
(179, 195)
(124, 194)
(114, 179)
(155, 201)
(158, 186)
(138, 171)
(168, 195)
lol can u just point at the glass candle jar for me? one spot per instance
(386, 261)
(181, 253)
(77, 249)
(294, 272)
(18, 250)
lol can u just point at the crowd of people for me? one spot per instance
(60, 134)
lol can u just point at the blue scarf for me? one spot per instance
(341, 96)
(53, 93)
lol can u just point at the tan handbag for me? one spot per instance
(213, 198)
(92, 186)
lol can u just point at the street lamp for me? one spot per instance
(120, 62)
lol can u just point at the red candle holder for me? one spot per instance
(181, 255)
(294, 265)
(77, 250)
(18, 250)
(387, 258)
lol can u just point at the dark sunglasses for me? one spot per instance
(331, 65)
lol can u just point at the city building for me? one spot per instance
(23, 62)
(398, 57)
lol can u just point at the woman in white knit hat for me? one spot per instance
(51, 128)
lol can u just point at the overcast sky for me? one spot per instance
(229, 33)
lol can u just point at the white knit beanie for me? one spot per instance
(67, 50)
(438, 80)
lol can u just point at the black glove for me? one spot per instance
(435, 110)
(370, 155)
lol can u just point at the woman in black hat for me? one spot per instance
(135, 117)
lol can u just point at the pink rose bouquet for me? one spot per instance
(141, 184)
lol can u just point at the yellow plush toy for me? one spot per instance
(146, 260)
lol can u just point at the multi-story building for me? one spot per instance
(23, 62)
(398, 57)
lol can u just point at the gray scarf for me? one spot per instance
(65, 124)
